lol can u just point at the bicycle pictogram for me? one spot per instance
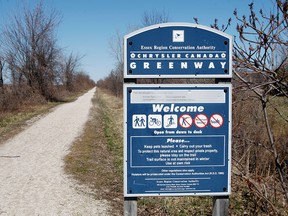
(155, 121)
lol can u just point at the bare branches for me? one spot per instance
(223, 27)
(262, 68)
(154, 17)
(69, 70)
(116, 47)
(30, 48)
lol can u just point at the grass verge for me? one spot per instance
(96, 160)
(12, 123)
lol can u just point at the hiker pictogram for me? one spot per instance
(139, 121)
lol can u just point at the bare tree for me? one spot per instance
(69, 70)
(113, 81)
(148, 18)
(1, 72)
(30, 49)
(116, 48)
(262, 71)
(116, 80)
(154, 17)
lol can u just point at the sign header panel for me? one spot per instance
(177, 50)
(177, 141)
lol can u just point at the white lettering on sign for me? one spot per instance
(183, 65)
(172, 140)
(146, 47)
(223, 64)
(173, 108)
(171, 47)
(136, 55)
(133, 65)
(198, 65)
(146, 65)
(211, 65)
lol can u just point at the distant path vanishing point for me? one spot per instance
(32, 179)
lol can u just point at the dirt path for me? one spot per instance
(32, 180)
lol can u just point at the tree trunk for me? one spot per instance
(274, 149)
(1, 74)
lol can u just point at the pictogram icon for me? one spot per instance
(185, 121)
(216, 120)
(201, 120)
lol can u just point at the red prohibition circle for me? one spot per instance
(216, 121)
(185, 121)
(201, 120)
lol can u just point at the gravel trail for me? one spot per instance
(32, 179)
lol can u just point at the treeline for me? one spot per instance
(260, 99)
(33, 68)
(113, 82)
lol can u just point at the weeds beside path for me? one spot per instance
(31, 171)
(13, 122)
(95, 159)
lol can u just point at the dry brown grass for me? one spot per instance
(19, 110)
(91, 160)
(96, 160)
(12, 123)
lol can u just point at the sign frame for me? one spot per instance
(185, 87)
(177, 73)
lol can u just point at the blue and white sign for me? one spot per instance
(177, 139)
(177, 50)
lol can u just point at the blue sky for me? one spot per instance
(87, 26)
